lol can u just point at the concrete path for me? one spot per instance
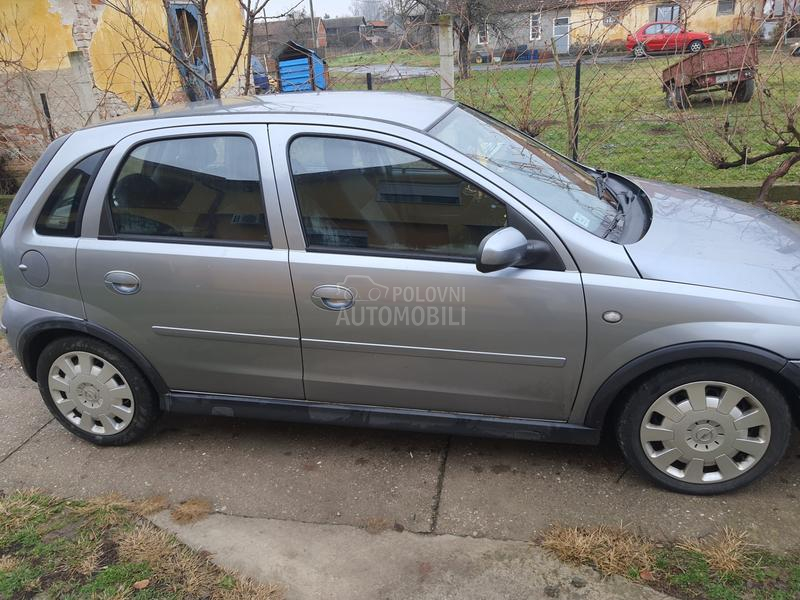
(317, 562)
(424, 483)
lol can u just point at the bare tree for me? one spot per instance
(765, 129)
(197, 74)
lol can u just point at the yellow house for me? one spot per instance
(66, 63)
(610, 21)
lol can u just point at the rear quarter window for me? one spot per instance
(61, 214)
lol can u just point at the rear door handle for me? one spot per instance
(332, 297)
(122, 282)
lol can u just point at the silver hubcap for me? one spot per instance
(91, 393)
(695, 47)
(705, 432)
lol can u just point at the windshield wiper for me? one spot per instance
(601, 183)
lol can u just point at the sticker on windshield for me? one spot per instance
(581, 220)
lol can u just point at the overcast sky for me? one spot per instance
(335, 8)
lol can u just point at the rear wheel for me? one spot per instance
(639, 51)
(696, 46)
(744, 90)
(705, 427)
(95, 391)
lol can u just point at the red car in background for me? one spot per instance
(666, 36)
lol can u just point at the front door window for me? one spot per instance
(361, 195)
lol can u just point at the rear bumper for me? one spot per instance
(17, 317)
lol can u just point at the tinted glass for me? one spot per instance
(653, 30)
(671, 29)
(355, 194)
(534, 168)
(196, 188)
(61, 213)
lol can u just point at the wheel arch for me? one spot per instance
(612, 393)
(34, 337)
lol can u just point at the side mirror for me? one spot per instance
(500, 249)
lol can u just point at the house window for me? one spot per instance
(612, 16)
(668, 12)
(536, 26)
(726, 7)
(483, 33)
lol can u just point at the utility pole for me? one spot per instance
(313, 24)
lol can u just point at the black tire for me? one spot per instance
(696, 46)
(639, 51)
(640, 401)
(744, 90)
(145, 406)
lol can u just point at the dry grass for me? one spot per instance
(611, 550)
(150, 505)
(725, 552)
(377, 525)
(8, 563)
(191, 511)
(177, 568)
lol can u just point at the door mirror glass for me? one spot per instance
(500, 249)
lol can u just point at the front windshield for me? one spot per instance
(532, 167)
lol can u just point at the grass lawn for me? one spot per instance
(388, 57)
(625, 123)
(723, 566)
(104, 549)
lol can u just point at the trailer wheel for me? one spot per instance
(744, 90)
(677, 98)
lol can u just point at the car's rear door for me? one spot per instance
(184, 256)
(383, 235)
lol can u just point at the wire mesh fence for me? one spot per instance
(627, 118)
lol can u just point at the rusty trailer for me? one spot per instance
(729, 68)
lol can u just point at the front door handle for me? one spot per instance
(332, 297)
(122, 282)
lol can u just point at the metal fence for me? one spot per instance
(607, 109)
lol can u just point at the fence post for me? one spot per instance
(446, 67)
(369, 81)
(84, 88)
(577, 115)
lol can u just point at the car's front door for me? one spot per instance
(189, 264)
(383, 236)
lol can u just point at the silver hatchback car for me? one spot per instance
(400, 261)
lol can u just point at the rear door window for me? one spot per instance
(190, 188)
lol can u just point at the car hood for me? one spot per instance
(701, 238)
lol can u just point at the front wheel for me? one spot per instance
(95, 391)
(705, 428)
(696, 46)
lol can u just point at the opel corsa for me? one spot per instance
(400, 261)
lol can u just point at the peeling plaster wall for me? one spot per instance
(40, 34)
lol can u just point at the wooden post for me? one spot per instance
(446, 67)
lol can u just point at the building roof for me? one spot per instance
(377, 23)
(344, 22)
(410, 110)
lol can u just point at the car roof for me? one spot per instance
(409, 110)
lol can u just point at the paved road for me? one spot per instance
(424, 483)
